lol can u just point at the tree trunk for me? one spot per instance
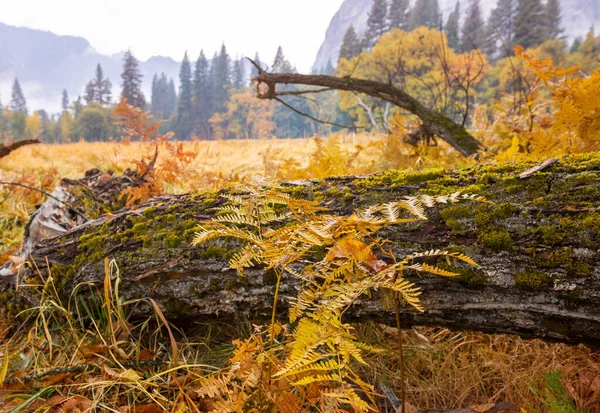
(537, 247)
(434, 123)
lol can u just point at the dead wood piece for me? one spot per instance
(6, 149)
(436, 123)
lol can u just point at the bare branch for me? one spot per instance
(435, 122)
(6, 149)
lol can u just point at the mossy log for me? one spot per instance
(537, 245)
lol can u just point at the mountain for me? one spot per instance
(46, 63)
(577, 18)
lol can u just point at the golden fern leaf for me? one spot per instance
(349, 396)
(305, 381)
(248, 256)
(431, 269)
(239, 219)
(213, 386)
(464, 258)
(205, 234)
(325, 365)
(407, 290)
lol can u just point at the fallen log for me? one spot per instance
(537, 246)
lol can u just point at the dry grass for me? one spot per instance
(243, 157)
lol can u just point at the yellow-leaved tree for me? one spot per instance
(421, 63)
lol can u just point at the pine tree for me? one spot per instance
(171, 98)
(90, 93)
(18, 102)
(501, 27)
(132, 81)
(575, 45)
(398, 14)
(103, 87)
(425, 13)
(351, 45)
(376, 23)
(553, 19)
(238, 75)
(452, 28)
(183, 119)
(201, 97)
(280, 63)
(288, 123)
(221, 81)
(65, 100)
(155, 97)
(530, 24)
(329, 70)
(473, 30)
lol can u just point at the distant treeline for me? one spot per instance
(215, 99)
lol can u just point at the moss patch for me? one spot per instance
(532, 280)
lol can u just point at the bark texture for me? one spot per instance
(537, 246)
(434, 123)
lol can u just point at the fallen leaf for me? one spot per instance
(127, 375)
(145, 355)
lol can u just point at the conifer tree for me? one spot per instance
(425, 13)
(221, 80)
(238, 75)
(351, 45)
(398, 14)
(329, 70)
(376, 22)
(452, 28)
(103, 87)
(65, 100)
(288, 123)
(553, 19)
(254, 70)
(473, 30)
(132, 81)
(501, 27)
(201, 97)
(155, 96)
(530, 24)
(575, 45)
(171, 97)
(161, 106)
(90, 93)
(18, 102)
(183, 119)
(280, 63)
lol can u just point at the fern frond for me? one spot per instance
(234, 199)
(238, 219)
(325, 365)
(305, 381)
(437, 253)
(349, 396)
(432, 270)
(250, 255)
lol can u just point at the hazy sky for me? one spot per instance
(169, 27)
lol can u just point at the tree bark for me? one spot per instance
(6, 149)
(537, 246)
(433, 122)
